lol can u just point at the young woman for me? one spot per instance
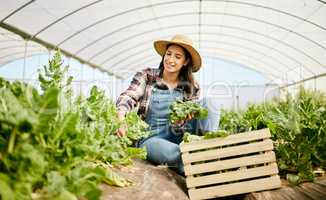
(154, 90)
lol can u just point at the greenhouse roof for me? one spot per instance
(282, 39)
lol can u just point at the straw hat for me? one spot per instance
(181, 40)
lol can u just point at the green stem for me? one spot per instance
(12, 140)
(42, 140)
(7, 122)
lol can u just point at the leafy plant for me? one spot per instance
(188, 137)
(233, 121)
(180, 110)
(298, 128)
(215, 134)
(55, 146)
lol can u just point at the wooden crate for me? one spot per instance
(237, 164)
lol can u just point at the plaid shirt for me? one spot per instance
(139, 92)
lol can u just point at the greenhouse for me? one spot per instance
(174, 99)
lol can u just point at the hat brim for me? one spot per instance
(161, 47)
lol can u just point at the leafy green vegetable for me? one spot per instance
(293, 179)
(179, 110)
(54, 75)
(215, 134)
(188, 137)
(5, 189)
(136, 129)
(57, 146)
(298, 128)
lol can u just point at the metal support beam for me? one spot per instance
(28, 37)
(302, 81)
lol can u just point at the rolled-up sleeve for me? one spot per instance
(197, 93)
(195, 96)
(129, 99)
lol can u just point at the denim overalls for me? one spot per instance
(163, 145)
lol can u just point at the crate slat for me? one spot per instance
(228, 151)
(231, 139)
(230, 163)
(232, 176)
(235, 188)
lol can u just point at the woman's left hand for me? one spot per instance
(188, 118)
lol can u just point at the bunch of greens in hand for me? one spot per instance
(181, 110)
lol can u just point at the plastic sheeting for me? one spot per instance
(285, 40)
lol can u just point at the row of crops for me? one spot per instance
(57, 145)
(298, 127)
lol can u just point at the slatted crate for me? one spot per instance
(237, 164)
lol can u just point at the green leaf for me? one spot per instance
(56, 183)
(136, 128)
(187, 137)
(137, 153)
(293, 179)
(215, 134)
(13, 113)
(113, 178)
(48, 110)
(6, 192)
(64, 195)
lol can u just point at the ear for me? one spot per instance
(186, 63)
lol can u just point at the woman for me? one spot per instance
(154, 90)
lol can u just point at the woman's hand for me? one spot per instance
(122, 130)
(188, 118)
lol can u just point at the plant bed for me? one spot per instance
(149, 182)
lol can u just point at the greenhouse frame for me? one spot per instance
(283, 40)
(65, 67)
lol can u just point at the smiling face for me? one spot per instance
(174, 59)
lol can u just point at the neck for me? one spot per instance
(171, 79)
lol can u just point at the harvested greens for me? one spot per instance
(188, 137)
(180, 110)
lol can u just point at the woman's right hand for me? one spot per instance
(121, 131)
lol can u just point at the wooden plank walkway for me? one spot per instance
(305, 191)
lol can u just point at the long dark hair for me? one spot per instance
(185, 75)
